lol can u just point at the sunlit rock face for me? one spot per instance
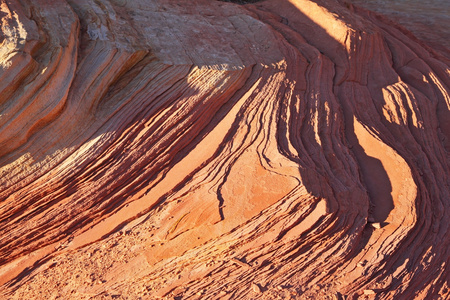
(213, 150)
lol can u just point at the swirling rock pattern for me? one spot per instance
(211, 150)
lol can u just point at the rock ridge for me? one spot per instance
(289, 149)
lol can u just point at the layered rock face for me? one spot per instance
(427, 19)
(211, 150)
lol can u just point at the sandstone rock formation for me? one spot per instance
(210, 150)
(427, 19)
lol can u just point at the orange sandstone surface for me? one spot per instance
(284, 149)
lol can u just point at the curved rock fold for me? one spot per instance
(211, 150)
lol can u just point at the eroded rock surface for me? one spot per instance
(427, 19)
(211, 150)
